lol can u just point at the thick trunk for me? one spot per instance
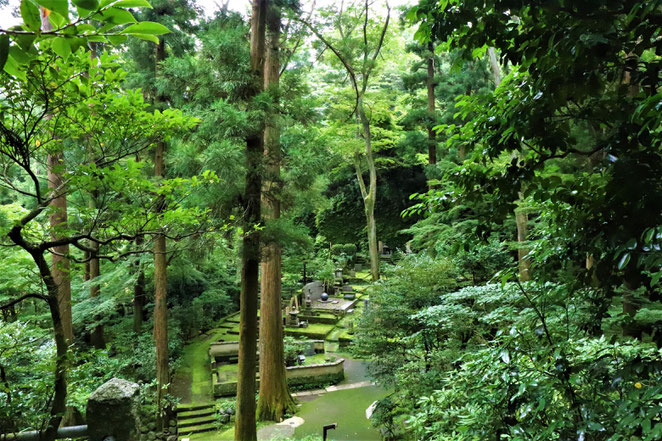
(58, 220)
(60, 261)
(138, 295)
(630, 307)
(274, 398)
(494, 65)
(369, 193)
(432, 135)
(245, 427)
(160, 275)
(524, 264)
(161, 319)
(96, 337)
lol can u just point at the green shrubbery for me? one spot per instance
(512, 361)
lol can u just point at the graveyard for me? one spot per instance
(319, 328)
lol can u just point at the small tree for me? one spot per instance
(357, 43)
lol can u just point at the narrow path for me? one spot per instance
(308, 393)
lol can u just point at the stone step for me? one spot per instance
(196, 429)
(188, 414)
(194, 406)
(182, 425)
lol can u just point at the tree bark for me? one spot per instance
(245, 427)
(160, 274)
(274, 398)
(58, 220)
(432, 135)
(524, 264)
(96, 337)
(138, 295)
(369, 193)
(494, 65)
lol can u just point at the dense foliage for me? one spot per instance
(501, 159)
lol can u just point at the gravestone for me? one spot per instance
(314, 290)
(112, 410)
(309, 351)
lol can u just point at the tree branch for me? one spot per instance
(31, 295)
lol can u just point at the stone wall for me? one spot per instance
(305, 332)
(222, 351)
(318, 319)
(300, 377)
(316, 375)
(229, 350)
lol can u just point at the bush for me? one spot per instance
(337, 249)
(350, 249)
(292, 349)
(580, 389)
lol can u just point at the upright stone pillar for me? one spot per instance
(112, 410)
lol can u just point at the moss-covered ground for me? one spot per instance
(345, 407)
(192, 380)
(313, 331)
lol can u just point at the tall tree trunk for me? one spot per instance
(432, 135)
(368, 193)
(630, 306)
(274, 398)
(494, 65)
(58, 220)
(245, 427)
(96, 337)
(524, 264)
(138, 294)
(160, 273)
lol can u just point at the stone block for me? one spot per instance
(112, 410)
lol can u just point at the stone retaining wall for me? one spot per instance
(318, 319)
(229, 350)
(300, 377)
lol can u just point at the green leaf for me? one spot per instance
(117, 39)
(30, 14)
(115, 16)
(62, 47)
(97, 38)
(59, 6)
(147, 37)
(84, 28)
(625, 259)
(4, 49)
(90, 5)
(12, 68)
(133, 4)
(146, 27)
(19, 55)
(57, 20)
